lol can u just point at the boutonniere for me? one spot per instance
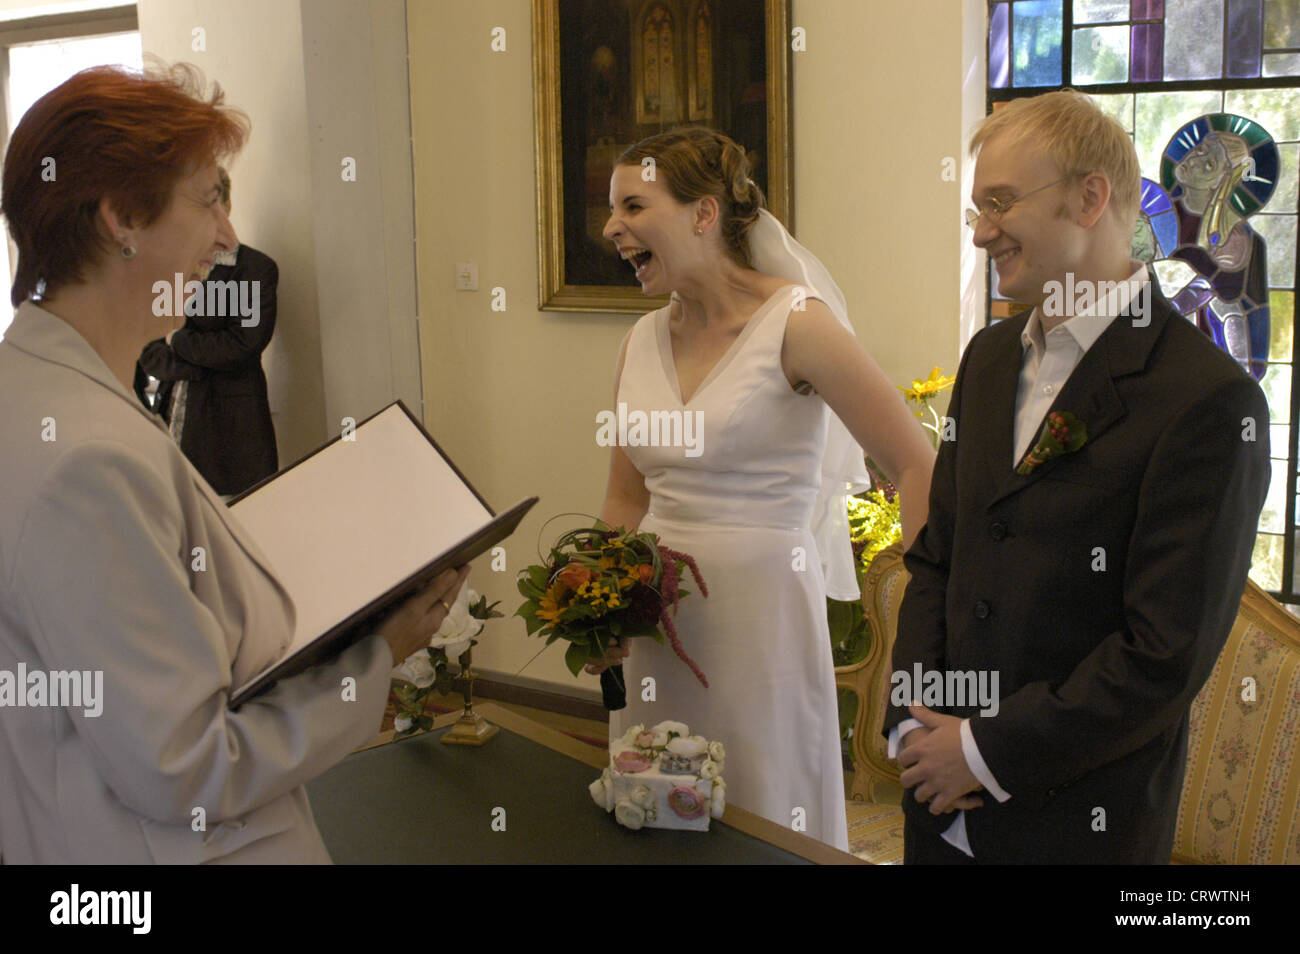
(1062, 433)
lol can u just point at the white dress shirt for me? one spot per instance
(1049, 360)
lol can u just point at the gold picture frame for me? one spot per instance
(626, 69)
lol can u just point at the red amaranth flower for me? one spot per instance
(668, 585)
(676, 556)
(673, 639)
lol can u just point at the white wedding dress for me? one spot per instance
(742, 508)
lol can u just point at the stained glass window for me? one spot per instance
(1036, 40)
(1140, 41)
(1221, 76)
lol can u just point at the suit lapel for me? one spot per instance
(998, 379)
(1089, 393)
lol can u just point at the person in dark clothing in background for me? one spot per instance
(212, 389)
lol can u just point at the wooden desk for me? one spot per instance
(418, 801)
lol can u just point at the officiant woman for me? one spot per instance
(131, 600)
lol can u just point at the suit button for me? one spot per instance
(982, 610)
(997, 531)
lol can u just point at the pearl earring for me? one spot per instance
(128, 251)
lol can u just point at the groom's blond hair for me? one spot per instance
(1081, 139)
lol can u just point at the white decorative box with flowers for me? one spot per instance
(663, 777)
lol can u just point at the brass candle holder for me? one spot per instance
(471, 728)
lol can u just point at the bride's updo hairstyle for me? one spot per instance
(694, 161)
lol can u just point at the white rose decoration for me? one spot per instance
(717, 752)
(679, 727)
(709, 770)
(417, 669)
(402, 723)
(660, 740)
(629, 737)
(602, 791)
(629, 814)
(690, 747)
(453, 636)
(642, 796)
(459, 627)
(718, 803)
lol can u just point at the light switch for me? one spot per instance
(466, 276)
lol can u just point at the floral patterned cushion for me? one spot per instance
(876, 832)
(1241, 792)
(888, 597)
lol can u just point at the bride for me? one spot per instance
(755, 343)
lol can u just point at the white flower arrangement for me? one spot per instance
(427, 670)
(453, 637)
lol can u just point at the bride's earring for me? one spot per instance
(128, 251)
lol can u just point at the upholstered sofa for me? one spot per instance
(1241, 791)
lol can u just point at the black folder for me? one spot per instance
(357, 526)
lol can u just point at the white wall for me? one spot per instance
(878, 104)
(320, 80)
(363, 229)
(254, 50)
(881, 99)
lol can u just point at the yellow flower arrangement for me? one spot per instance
(875, 522)
(922, 392)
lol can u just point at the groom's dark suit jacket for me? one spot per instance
(1097, 667)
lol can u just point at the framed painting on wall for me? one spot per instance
(608, 73)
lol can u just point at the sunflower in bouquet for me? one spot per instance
(599, 584)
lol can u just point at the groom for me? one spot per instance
(1091, 523)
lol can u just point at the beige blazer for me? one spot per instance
(117, 557)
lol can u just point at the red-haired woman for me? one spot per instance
(123, 576)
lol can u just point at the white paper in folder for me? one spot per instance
(341, 527)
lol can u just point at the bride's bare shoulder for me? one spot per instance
(813, 328)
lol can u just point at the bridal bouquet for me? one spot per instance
(599, 584)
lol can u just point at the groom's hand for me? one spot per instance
(934, 764)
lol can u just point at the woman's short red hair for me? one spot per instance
(105, 133)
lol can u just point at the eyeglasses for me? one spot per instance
(995, 208)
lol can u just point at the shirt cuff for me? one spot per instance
(976, 764)
(897, 733)
(955, 835)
